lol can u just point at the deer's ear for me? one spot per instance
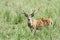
(25, 14)
(32, 14)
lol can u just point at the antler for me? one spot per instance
(22, 11)
(35, 10)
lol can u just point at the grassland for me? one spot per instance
(13, 24)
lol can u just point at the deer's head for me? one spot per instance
(29, 16)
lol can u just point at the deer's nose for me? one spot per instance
(28, 19)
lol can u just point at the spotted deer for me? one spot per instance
(36, 24)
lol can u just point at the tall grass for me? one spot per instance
(13, 24)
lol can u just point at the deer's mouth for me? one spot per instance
(29, 22)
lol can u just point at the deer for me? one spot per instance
(38, 23)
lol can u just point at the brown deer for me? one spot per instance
(35, 24)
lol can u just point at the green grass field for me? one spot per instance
(13, 24)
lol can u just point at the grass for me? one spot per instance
(13, 24)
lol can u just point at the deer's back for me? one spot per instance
(39, 22)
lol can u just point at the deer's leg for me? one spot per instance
(33, 30)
